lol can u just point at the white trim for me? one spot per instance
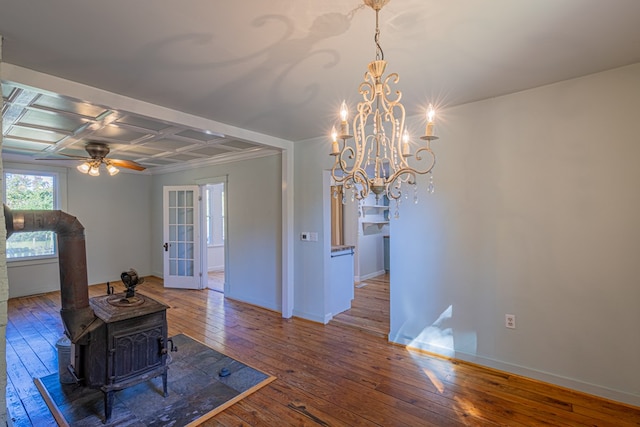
(61, 172)
(324, 319)
(326, 239)
(202, 183)
(217, 160)
(60, 203)
(24, 262)
(287, 234)
(369, 276)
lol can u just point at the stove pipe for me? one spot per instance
(77, 315)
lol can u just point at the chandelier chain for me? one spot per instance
(376, 38)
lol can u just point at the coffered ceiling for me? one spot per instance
(279, 68)
(49, 127)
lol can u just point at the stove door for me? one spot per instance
(136, 353)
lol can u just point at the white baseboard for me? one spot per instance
(370, 275)
(312, 317)
(570, 383)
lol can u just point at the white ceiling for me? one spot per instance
(281, 67)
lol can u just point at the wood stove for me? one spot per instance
(117, 340)
(130, 346)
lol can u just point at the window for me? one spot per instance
(33, 191)
(215, 214)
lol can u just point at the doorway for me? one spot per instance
(365, 226)
(214, 235)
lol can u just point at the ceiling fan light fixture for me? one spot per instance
(94, 170)
(84, 168)
(112, 170)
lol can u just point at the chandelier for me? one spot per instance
(381, 161)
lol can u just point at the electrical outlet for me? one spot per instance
(304, 236)
(510, 321)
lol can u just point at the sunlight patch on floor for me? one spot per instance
(434, 380)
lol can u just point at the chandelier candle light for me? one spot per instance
(379, 162)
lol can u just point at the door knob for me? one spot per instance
(166, 247)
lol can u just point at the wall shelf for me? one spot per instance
(374, 215)
(372, 223)
(373, 209)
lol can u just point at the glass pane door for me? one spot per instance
(181, 248)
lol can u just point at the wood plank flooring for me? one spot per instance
(369, 310)
(327, 375)
(216, 280)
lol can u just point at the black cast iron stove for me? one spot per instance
(127, 349)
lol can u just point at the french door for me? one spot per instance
(181, 247)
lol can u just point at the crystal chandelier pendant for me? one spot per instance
(431, 188)
(379, 156)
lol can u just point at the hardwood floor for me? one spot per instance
(369, 310)
(327, 375)
(216, 280)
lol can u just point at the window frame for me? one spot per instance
(60, 202)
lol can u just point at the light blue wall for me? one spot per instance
(535, 214)
(122, 216)
(254, 194)
(310, 299)
(114, 212)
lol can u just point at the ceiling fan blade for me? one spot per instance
(128, 164)
(70, 157)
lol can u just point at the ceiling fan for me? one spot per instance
(97, 156)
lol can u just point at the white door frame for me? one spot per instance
(287, 233)
(202, 183)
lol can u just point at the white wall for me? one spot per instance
(254, 226)
(370, 254)
(215, 258)
(370, 240)
(215, 252)
(535, 214)
(311, 259)
(114, 212)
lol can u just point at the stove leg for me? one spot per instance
(164, 384)
(108, 405)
